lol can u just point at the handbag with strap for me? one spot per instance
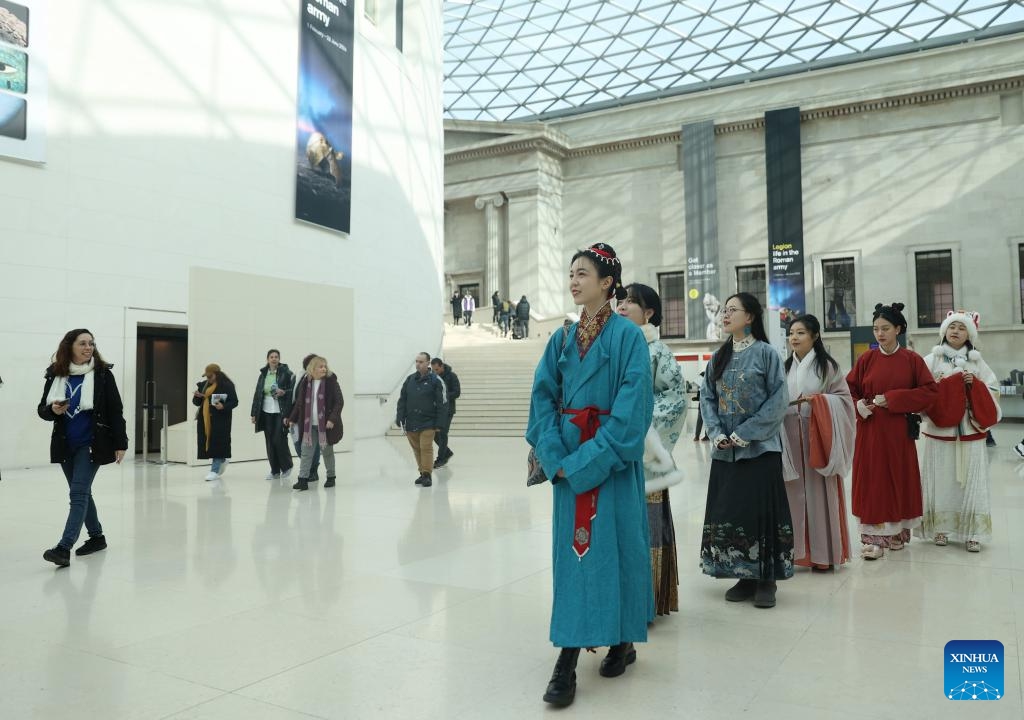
(534, 472)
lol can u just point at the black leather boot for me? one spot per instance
(618, 657)
(330, 482)
(562, 686)
(301, 485)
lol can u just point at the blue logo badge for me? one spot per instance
(974, 670)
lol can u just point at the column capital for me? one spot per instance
(523, 194)
(495, 199)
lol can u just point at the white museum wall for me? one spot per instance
(233, 335)
(171, 145)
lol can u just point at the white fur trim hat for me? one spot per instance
(971, 321)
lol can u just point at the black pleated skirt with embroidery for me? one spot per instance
(748, 529)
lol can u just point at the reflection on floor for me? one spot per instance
(242, 599)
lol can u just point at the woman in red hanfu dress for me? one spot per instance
(887, 383)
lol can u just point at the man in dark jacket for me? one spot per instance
(523, 315)
(421, 408)
(453, 389)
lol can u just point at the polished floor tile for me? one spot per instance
(378, 599)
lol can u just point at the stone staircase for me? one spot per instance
(496, 375)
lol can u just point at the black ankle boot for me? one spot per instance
(619, 656)
(330, 482)
(562, 687)
(765, 595)
(742, 590)
(301, 485)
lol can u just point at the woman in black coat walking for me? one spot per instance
(216, 398)
(456, 303)
(80, 398)
(271, 404)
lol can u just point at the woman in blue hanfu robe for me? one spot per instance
(589, 413)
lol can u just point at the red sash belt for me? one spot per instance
(588, 422)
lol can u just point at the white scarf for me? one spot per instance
(59, 388)
(803, 376)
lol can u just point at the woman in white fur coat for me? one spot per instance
(643, 306)
(954, 474)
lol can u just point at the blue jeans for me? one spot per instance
(80, 471)
(217, 465)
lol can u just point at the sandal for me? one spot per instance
(941, 539)
(973, 546)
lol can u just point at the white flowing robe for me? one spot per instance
(817, 499)
(954, 469)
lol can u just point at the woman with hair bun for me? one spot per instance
(589, 412)
(817, 449)
(643, 306)
(748, 532)
(888, 384)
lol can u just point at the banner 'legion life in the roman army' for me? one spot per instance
(323, 152)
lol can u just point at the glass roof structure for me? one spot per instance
(536, 59)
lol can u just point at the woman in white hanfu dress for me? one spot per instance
(817, 440)
(954, 474)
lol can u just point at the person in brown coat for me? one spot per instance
(317, 414)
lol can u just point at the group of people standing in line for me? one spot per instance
(606, 411)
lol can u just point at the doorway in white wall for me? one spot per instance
(161, 361)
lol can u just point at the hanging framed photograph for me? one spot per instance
(23, 80)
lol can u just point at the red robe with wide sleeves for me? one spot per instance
(886, 477)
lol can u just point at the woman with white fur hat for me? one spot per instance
(954, 474)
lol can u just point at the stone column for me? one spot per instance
(495, 247)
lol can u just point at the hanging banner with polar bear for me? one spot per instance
(323, 152)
